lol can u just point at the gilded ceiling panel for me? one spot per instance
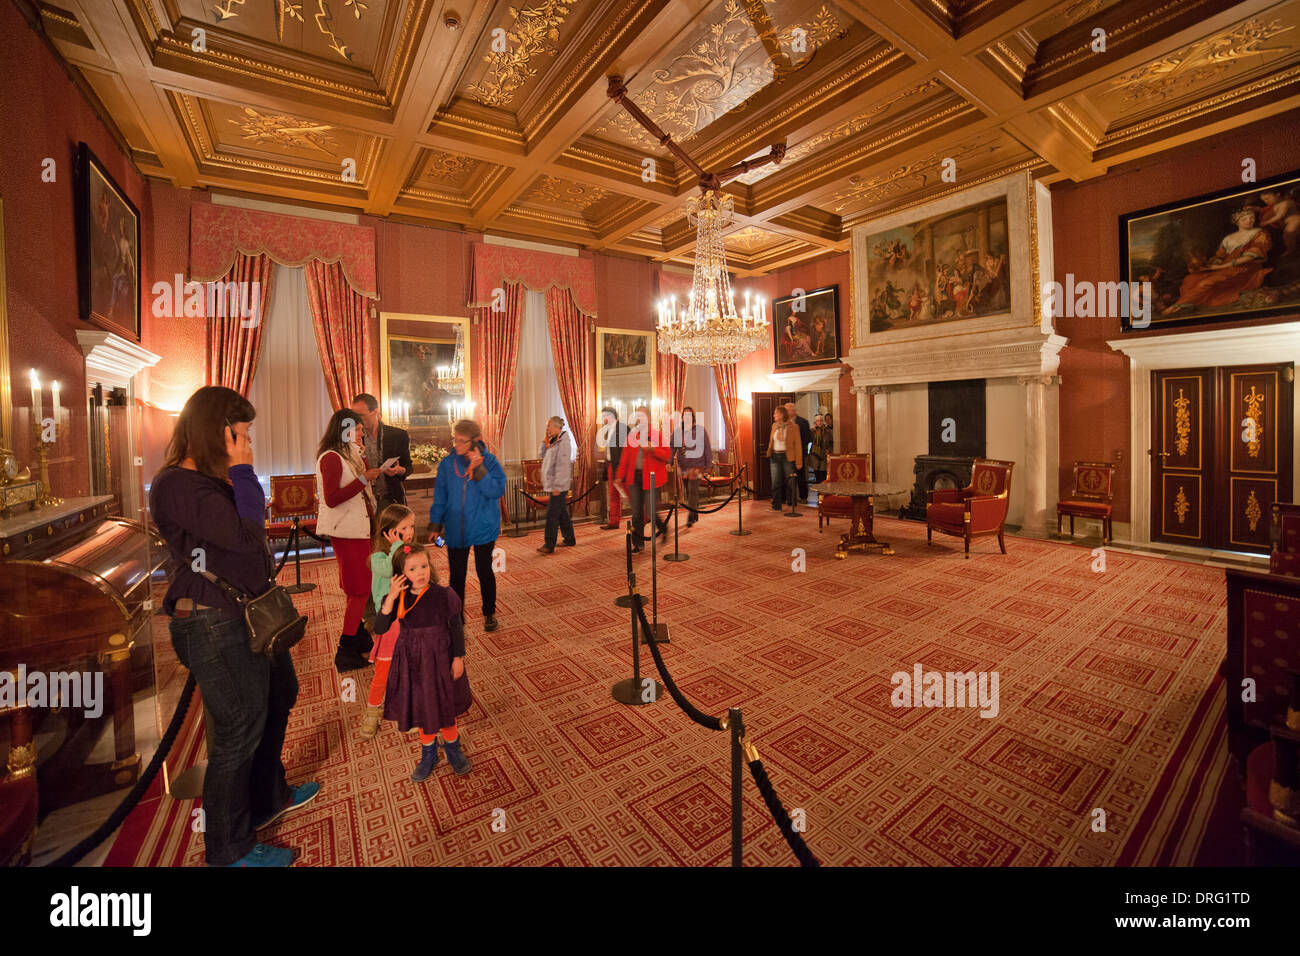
(521, 45)
(1238, 54)
(348, 31)
(564, 194)
(736, 51)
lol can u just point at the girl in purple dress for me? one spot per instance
(427, 687)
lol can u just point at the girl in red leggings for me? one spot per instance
(396, 526)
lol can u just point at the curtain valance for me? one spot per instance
(220, 233)
(492, 267)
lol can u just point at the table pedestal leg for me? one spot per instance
(859, 536)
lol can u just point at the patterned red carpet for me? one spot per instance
(1108, 708)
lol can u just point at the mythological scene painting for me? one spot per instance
(942, 269)
(806, 328)
(1227, 255)
(110, 249)
(624, 351)
(413, 377)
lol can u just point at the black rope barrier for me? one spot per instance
(73, 856)
(573, 501)
(709, 511)
(777, 809)
(693, 712)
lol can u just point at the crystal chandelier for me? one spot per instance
(707, 329)
(451, 378)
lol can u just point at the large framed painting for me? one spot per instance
(806, 328)
(623, 350)
(1225, 256)
(412, 347)
(943, 268)
(108, 249)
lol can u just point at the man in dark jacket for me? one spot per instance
(383, 442)
(612, 437)
(805, 438)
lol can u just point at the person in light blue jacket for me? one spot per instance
(467, 513)
(557, 477)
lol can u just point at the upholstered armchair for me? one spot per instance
(1090, 497)
(532, 468)
(1284, 536)
(980, 509)
(841, 468)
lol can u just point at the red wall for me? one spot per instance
(1094, 389)
(44, 115)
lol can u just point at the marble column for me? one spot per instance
(862, 419)
(1038, 470)
(879, 395)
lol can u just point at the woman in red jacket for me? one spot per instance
(643, 465)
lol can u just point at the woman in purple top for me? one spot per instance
(208, 506)
(694, 457)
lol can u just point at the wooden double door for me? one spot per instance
(1221, 454)
(763, 404)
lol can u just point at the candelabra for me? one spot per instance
(44, 499)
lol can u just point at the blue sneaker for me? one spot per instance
(300, 796)
(263, 855)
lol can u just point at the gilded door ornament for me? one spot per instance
(1253, 402)
(1182, 423)
(1181, 506)
(1252, 510)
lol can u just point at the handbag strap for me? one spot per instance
(239, 597)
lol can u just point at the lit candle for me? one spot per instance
(54, 391)
(36, 395)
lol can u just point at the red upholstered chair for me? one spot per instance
(291, 512)
(1284, 534)
(1091, 496)
(723, 474)
(533, 485)
(1272, 811)
(841, 468)
(974, 511)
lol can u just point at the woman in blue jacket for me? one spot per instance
(467, 512)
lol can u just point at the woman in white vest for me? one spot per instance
(346, 514)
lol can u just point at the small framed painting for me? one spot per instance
(806, 328)
(1224, 256)
(108, 249)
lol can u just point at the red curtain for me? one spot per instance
(338, 315)
(496, 339)
(672, 381)
(725, 376)
(573, 346)
(234, 335)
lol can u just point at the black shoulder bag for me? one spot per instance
(274, 624)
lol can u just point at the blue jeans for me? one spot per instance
(782, 468)
(247, 699)
(557, 519)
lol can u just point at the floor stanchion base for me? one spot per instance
(625, 600)
(739, 534)
(300, 588)
(628, 692)
(661, 634)
(517, 533)
(677, 556)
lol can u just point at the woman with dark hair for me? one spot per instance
(209, 507)
(467, 504)
(347, 512)
(785, 456)
(694, 457)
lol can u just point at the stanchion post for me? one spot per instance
(794, 511)
(631, 691)
(516, 531)
(736, 724)
(677, 552)
(295, 542)
(740, 531)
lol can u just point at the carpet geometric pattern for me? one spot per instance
(1109, 701)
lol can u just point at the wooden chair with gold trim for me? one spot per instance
(1284, 539)
(532, 469)
(974, 511)
(292, 510)
(1090, 497)
(841, 468)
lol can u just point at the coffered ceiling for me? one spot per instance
(495, 116)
